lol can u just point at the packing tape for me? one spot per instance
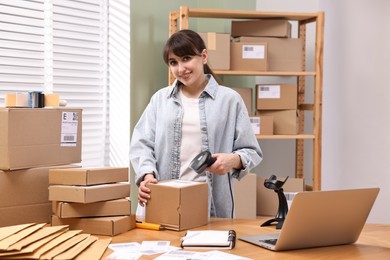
(53, 100)
(10, 100)
(36, 99)
(21, 100)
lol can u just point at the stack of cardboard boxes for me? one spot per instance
(95, 200)
(33, 141)
(261, 45)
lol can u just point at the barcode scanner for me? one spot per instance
(202, 161)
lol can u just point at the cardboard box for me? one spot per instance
(276, 96)
(246, 94)
(88, 194)
(218, 48)
(262, 125)
(178, 205)
(26, 186)
(32, 137)
(285, 121)
(265, 28)
(267, 200)
(284, 54)
(250, 56)
(107, 208)
(88, 176)
(245, 192)
(105, 226)
(16, 215)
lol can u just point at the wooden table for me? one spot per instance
(373, 243)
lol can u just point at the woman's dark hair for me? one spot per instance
(185, 42)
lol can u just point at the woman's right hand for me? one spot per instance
(143, 191)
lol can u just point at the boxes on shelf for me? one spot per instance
(34, 137)
(264, 28)
(284, 54)
(246, 95)
(88, 194)
(107, 208)
(250, 56)
(245, 191)
(262, 125)
(106, 226)
(276, 96)
(285, 121)
(267, 199)
(178, 205)
(88, 176)
(218, 48)
(22, 191)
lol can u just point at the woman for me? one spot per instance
(194, 114)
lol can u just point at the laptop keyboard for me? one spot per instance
(269, 241)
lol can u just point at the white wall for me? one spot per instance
(356, 122)
(356, 94)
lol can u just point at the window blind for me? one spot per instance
(60, 46)
(21, 46)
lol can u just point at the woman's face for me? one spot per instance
(188, 69)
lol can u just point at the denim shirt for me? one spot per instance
(225, 128)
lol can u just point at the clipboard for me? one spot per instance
(209, 239)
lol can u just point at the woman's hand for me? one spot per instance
(143, 191)
(225, 163)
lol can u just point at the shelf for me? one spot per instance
(179, 19)
(281, 137)
(235, 14)
(263, 73)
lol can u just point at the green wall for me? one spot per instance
(149, 31)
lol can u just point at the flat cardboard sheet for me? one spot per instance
(96, 250)
(7, 231)
(7, 242)
(39, 234)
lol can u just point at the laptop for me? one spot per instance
(320, 218)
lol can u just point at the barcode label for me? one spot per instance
(269, 91)
(69, 138)
(69, 128)
(255, 122)
(253, 51)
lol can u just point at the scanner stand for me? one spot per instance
(282, 211)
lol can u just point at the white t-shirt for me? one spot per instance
(191, 142)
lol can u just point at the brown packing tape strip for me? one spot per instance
(21, 100)
(52, 100)
(212, 41)
(10, 100)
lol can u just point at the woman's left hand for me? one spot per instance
(225, 163)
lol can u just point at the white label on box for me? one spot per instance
(270, 91)
(255, 122)
(178, 183)
(289, 197)
(253, 51)
(69, 127)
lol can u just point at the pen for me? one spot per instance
(147, 225)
